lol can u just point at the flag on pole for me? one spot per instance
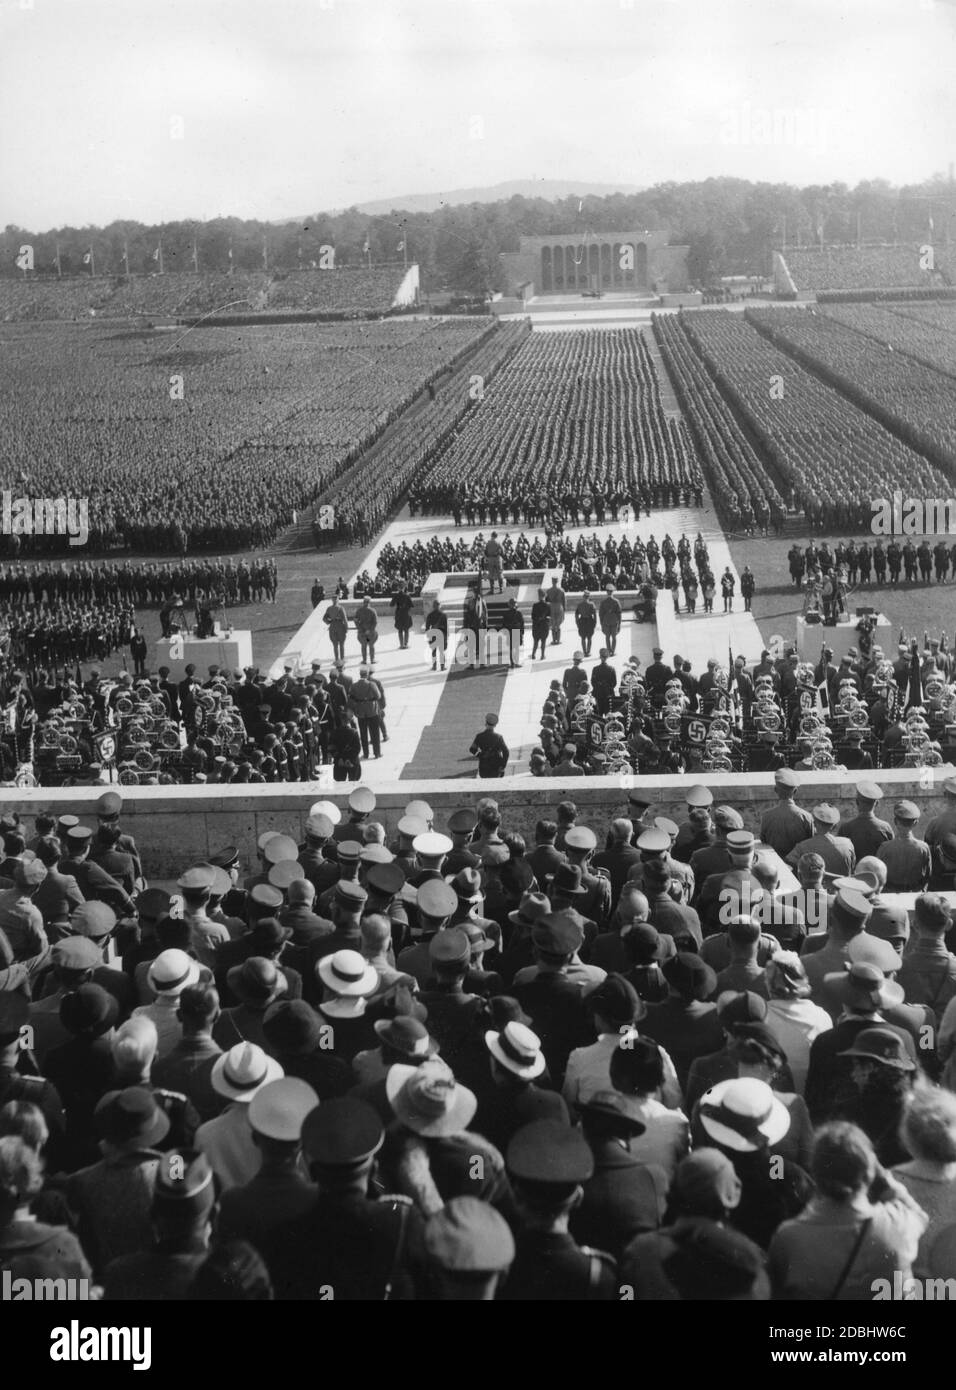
(156, 254)
(401, 245)
(367, 247)
(23, 260)
(581, 205)
(86, 258)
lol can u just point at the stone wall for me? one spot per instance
(177, 826)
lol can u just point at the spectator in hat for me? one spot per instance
(714, 1262)
(361, 1247)
(227, 1140)
(734, 1009)
(846, 919)
(873, 1089)
(113, 1198)
(860, 1227)
(705, 1191)
(93, 881)
(436, 903)
(23, 937)
(298, 1038)
(347, 982)
(430, 1151)
(644, 951)
(548, 1164)
(716, 858)
(169, 974)
(837, 853)
(747, 1121)
(280, 1192)
(344, 906)
(636, 1069)
(18, 1086)
(452, 1012)
(929, 1135)
(671, 918)
(865, 996)
(205, 935)
(187, 1068)
(928, 971)
(909, 862)
(133, 1047)
(24, 1238)
(757, 1054)
(519, 1092)
(625, 1195)
(59, 893)
(553, 999)
(402, 1040)
(686, 1024)
(793, 1018)
(256, 984)
(743, 973)
(184, 1201)
(616, 1010)
(470, 1248)
(81, 1068)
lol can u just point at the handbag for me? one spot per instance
(851, 1258)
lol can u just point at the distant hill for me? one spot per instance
(493, 193)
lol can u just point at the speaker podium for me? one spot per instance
(231, 652)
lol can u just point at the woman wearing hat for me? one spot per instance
(861, 1227)
(792, 1017)
(747, 1121)
(875, 1089)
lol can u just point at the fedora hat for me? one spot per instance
(88, 1011)
(171, 972)
(347, 973)
(881, 1045)
(256, 981)
(131, 1118)
(407, 1036)
(743, 1114)
(566, 880)
(517, 1049)
(292, 1027)
(239, 1073)
(531, 907)
(428, 1099)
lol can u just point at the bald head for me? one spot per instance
(376, 931)
(622, 831)
(633, 905)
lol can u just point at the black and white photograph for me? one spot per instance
(478, 668)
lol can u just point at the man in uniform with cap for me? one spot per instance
(574, 682)
(184, 1200)
(23, 937)
(490, 749)
(580, 842)
(17, 1081)
(108, 811)
(470, 1248)
(909, 863)
(430, 850)
(280, 1193)
(604, 680)
(548, 1163)
(452, 1013)
(233, 904)
(364, 704)
(205, 935)
(837, 853)
(436, 903)
(786, 824)
(716, 857)
(695, 832)
(945, 822)
(358, 1248)
(461, 826)
(585, 620)
(93, 881)
(553, 1000)
(864, 831)
(321, 871)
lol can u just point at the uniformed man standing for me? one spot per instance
(837, 852)
(786, 824)
(490, 749)
(585, 618)
(548, 1162)
(908, 860)
(864, 831)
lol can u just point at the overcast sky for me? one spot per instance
(162, 109)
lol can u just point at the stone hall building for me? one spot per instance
(641, 263)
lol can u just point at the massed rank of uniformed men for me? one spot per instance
(619, 1063)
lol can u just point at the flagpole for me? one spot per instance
(126, 255)
(92, 262)
(58, 271)
(160, 255)
(195, 257)
(230, 255)
(265, 253)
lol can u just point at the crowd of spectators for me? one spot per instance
(454, 1065)
(819, 269)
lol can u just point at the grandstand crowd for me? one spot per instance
(627, 1060)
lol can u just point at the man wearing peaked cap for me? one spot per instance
(361, 806)
(944, 823)
(184, 1200)
(469, 1245)
(580, 842)
(548, 1163)
(436, 903)
(279, 1193)
(908, 860)
(453, 1013)
(837, 853)
(409, 828)
(93, 881)
(698, 796)
(364, 1249)
(108, 811)
(319, 855)
(461, 827)
(715, 858)
(421, 810)
(548, 993)
(430, 850)
(864, 830)
(786, 824)
(278, 848)
(205, 935)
